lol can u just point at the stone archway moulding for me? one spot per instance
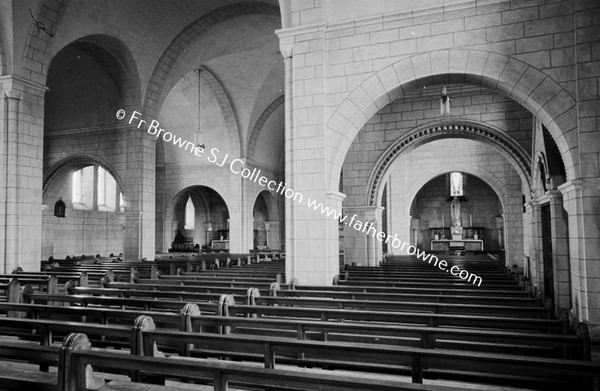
(430, 132)
(526, 85)
(78, 160)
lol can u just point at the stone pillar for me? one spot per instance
(500, 228)
(560, 251)
(21, 155)
(536, 260)
(572, 202)
(414, 230)
(360, 243)
(274, 235)
(139, 182)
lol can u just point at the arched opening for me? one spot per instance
(267, 222)
(92, 222)
(480, 209)
(200, 221)
(84, 144)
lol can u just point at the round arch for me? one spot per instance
(508, 147)
(116, 58)
(203, 198)
(528, 86)
(80, 160)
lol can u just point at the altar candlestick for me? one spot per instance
(442, 221)
(470, 220)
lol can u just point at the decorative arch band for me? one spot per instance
(430, 132)
(78, 160)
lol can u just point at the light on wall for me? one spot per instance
(445, 103)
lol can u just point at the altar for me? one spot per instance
(450, 245)
(457, 238)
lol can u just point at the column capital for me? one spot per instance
(569, 186)
(335, 196)
(368, 213)
(11, 82)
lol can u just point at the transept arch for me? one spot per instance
(531, 88)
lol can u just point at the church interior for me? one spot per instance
(300, 195)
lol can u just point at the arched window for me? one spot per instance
(107, 191)
(190, 214)
(456, 184)
(83, 188)
(104, 198)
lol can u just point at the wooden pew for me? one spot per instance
(178, 318)
(27, 377)
(75, 375)
(417, 362)
(145, 304)
(338, 292)
(511, 342)
(414, 318)
(398, 306)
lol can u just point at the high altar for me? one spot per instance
(456, 238)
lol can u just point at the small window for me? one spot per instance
(83, 188)
(107, 191)
(121, 202)
(190, 214)
(456, 184)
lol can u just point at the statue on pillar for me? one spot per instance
(455, 212)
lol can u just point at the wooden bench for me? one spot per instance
(350, 293)
(27, 377)
(417, 362)
(413, 318)
(178, 318)
(399, 306)
(147, 304)
(75, 375)
(511, 342)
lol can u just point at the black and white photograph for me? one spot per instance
(300, 195)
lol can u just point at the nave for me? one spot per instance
(229, 321)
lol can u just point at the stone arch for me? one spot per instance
(78, 159)
(225, 105)
(168, 59)
(508, 147)
(252, 140)
(528, 86)
(118, 62)
(271, 202)
(201, 197)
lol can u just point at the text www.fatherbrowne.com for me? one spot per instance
(237, 166)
